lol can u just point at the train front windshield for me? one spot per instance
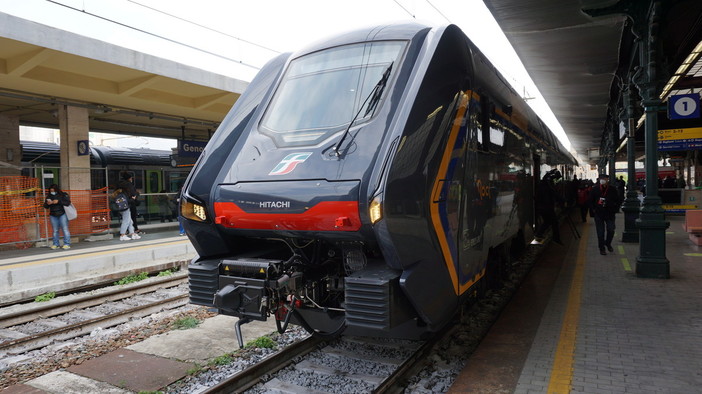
(323, 91)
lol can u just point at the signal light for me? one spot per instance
(193, 211)
(375, 210)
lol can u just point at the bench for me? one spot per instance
(693, 225)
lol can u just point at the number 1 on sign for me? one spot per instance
(685, 106)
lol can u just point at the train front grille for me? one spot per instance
(373, 298)
(367, 304)
(203, 282)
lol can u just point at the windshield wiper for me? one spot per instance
(374, 97)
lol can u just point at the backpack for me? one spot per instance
(121, 202)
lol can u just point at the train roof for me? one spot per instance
(409, 29)
(49, 153)
(390, 31)
(149, 157)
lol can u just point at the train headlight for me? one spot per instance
(193, 211)
(375, 210)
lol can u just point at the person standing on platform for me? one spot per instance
(127, 186)
(546, 199)
(681, 184)
(584, 190)
(55, 200)
(181, 229)
(621, 186)
(121, 200)
(604, 203)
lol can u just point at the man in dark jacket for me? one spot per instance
(546, 199)
(604, 203)
(127, 185)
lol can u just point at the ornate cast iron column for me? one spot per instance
(651, 262)
(612, 152)
(631, 205)
(645, 15)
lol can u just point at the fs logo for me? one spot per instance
(288, 164)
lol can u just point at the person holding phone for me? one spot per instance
(54, 201)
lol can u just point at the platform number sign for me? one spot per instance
(684, 106)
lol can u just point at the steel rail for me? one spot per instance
(252, 375)
(396, 381)
(61, 307)
(19, 345)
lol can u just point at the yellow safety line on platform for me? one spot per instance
(693, 254)
(625, 260)
(562, 371)
(625, 263)
(84, 255)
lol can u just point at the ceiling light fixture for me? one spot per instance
(682, 69)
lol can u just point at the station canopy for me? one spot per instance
(124, 91)
(578, 61)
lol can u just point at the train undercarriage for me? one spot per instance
(326, 288)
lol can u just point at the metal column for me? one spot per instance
(631, 205)
(651, 262)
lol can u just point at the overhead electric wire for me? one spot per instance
(439, 11)
(406, 10)
(428, 2)
(154, 34)
(203, 26)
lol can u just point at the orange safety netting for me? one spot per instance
(24, 219)
(19, 213)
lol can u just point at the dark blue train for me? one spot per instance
(368, 184)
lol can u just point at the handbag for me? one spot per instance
(71, 212)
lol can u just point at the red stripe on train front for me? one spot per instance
(325, 216)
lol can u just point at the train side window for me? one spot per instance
(476, 118)
(486, 111)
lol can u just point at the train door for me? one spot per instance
(446, 199)
(535, 186)
(48, 177)
(476, 191)
(153, 183)
(175, 180)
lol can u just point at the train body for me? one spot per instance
(155, 174)
(153, 169)
(367, 184)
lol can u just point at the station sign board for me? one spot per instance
(190, 148)
(680, 139)
(684, 106)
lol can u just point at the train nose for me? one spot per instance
(289, 205)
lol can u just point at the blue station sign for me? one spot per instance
(190, 148)
(684, 106)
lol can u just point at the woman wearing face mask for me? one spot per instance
(55, 200)
(604, 203)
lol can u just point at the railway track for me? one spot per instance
(78, 316)
(346, 365)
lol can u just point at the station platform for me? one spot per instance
(26, 273)
(583, 322)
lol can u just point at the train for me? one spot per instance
(369, 184)
(154, 170)
(157, 173)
